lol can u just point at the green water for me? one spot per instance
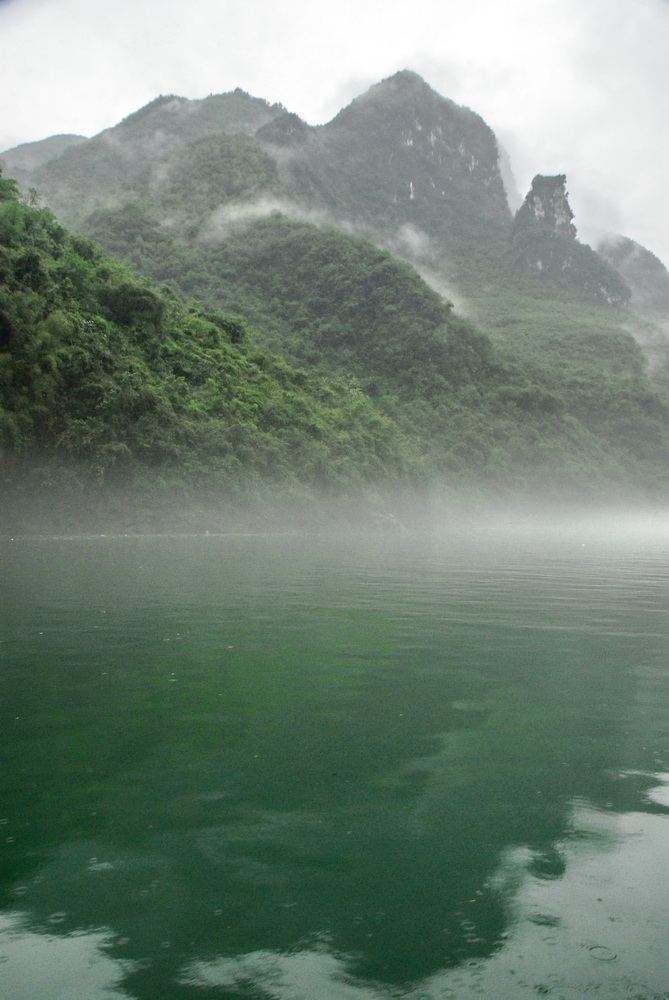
(346, 768)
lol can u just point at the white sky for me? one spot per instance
(569, 86)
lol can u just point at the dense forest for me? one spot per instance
(222, 335)
(108, 384)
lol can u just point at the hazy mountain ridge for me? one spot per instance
(32, 155)
(240, 204)
(123, 159)
(380, 164)
(398, 157)
(642, 270)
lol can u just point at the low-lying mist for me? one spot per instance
(385, 515)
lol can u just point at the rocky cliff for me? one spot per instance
(544, 242)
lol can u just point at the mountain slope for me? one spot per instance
(107, 382)
(402, 155)
(310, 234)
(128, 157)
(32, 155)
(568, 407)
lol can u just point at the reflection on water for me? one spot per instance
(274, 769)
(72, 966)
(610, 906)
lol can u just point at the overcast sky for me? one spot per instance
(570, 86)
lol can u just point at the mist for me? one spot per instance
(355, 687)
(378, 514)
(235, 218)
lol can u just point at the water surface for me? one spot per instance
(351, 768)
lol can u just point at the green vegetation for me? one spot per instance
(105, 382)
(243, 342)
(555, 399)
(215, 169)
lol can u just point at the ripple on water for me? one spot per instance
(544, 919)
(601, 952)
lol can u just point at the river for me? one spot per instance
(346, 768)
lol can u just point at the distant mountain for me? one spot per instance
(401, 165)
(130, 157)
(31, 155)
(399, 156)
(645, 274)
(648, 280)
(343, 247)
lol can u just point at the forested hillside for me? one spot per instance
(108, 384)
(277, 320)
(555, 398)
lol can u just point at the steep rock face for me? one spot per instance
(429, 142)
(547, 205)
(544, 243)
(401, 154)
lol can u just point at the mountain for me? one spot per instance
(645, 274)
(400, 156)
(343, 246)
(402, 165)
(128, 157)
(403, 156)
(545, 243)
(108, 385)
(31, 155)
(648, 280)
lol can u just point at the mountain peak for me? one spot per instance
(420, 152)
(403, 89)
(544, 242)
(547, 203)
(404, 80)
